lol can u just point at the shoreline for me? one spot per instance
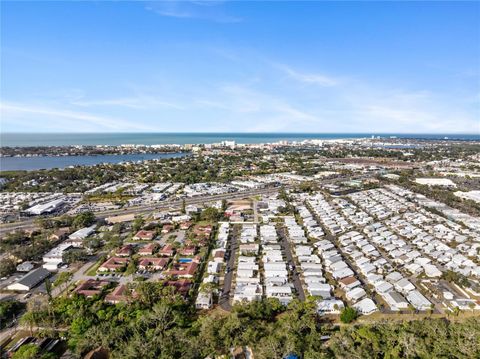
(152, 140)
(53, 155)
(35, 163)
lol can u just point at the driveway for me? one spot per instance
(78, 275)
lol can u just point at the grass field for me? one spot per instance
(92, 271)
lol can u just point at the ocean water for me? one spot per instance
(66, 139)
(49, 162)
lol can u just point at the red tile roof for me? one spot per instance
(188, 250)
(153, 263)
(145, 235)
(168, 250)
(182, 286)
(183, 270)
(125, 251)
(91, 287)
(149, 248)
(114, 263)
(119, 294)
(168, 228)
(185, 225)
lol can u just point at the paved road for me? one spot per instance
(332, 239)
(225, 297)
(255, 211)
(30, 222)
(354, 268)
(412, 278)
(285, 244)
(78, 275)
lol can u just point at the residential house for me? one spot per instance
(148, 249)
(144, 235)
(182, 286)
(91, 287)
(120, 294)
(365, 306)
(183, 270)
(204, 300)
(167, 251)
(152, 264)
(114, 264)
(167, 228)
(125, 251)
(188, 251)
(330, 306)
(395, 300)
(355, 294)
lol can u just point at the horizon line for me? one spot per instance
(247, 133)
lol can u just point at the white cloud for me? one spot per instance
(251, 110)
(350, 106)
(268, 99)
(393, 110)
(137, 103)
(355, 105)
(42, 117)
(309, 78)
(183, 9)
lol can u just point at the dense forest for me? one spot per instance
(161, 325)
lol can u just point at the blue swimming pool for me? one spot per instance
(185, 260)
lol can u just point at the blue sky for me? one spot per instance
(213, 66)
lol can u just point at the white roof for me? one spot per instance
(383, 287)
(404, 285)
(418, 300)
(393, 277)
(356, 293)
(365, 306)
(328, 305)
(432, 271)
(82, 233)
(342, 273)
(436, 182)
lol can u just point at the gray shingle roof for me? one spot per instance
(34, 277)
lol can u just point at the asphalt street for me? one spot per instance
(167, 205)
(285, 244)
(226, 295)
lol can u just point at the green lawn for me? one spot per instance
(92, 271)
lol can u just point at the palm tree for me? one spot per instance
(208, 288)
(456, 311)
(48, 288)
(29, 319)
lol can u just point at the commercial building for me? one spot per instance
(83, 233)
(30, 280)
(45, 208)
(444, 182)
(54, 258)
